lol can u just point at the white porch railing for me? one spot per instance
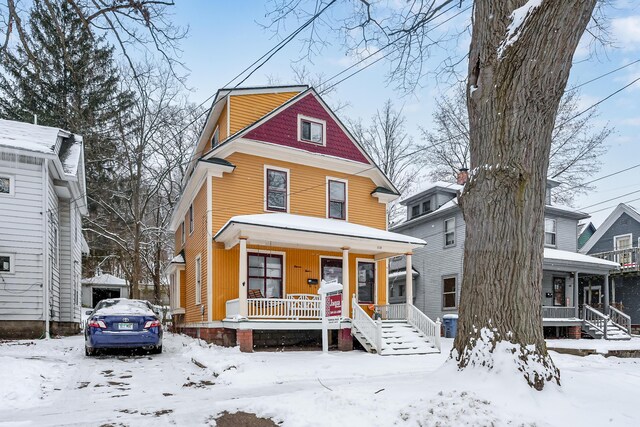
(595, 319)
(421, 322)
(392, 311)
(293, 307)
(620, 319)
(364, 324)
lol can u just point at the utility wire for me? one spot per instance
(611, 199)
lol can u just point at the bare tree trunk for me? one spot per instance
(517, 74)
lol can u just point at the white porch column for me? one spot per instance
(345, 283)
(606, 294)
(242, 278)
(576, 311)
(409, 279)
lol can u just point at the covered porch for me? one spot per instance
(562, 274)
(282, 259)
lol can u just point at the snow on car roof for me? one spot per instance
(124, 306)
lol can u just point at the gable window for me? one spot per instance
(415, 211)
(215, 139)
(6, 263)
(198, 280)
(311, 130)
(276, 189)
(549, 232)
(6, 185)
(182, 233)
(449, 292)
(190, 219)
(449, 232)
(426, 207)
(337, 199)
(265, 275)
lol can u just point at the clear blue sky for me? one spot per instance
(225, 37)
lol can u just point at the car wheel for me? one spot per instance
(88, 352)
(158, 349)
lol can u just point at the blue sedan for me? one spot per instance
(123, 323)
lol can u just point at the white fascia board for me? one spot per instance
(611, 219)
(385, 197)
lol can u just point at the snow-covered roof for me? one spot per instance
(403, 273)
(178, 259)
(551, 255)
(44, 140)
(319, 225)
(104, 279)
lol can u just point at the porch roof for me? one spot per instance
(312, 232)
(555, 259)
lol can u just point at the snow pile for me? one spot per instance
(518, 22)
(503, 357)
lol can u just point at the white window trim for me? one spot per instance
(445, 232)
(555, 233)
(276, 168)
(320, 258)
(346, 197)
(192, 215)
(622, 236)
(375, 277)
(198, 272)
(284, 266)
(302, 117)
(12, 185)
(216, 130)
(455, 302)
(12, 263)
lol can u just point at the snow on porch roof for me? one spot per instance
(318, 225)
(556, 255)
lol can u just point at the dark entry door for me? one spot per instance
(331, 269)
(559, 297)
(98, 294)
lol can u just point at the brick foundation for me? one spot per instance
(345, 340)
(574, 332)
(245, 340)
(219, 336)
(33, 329)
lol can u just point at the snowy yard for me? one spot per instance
(48, 383)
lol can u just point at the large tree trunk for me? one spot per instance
(517, 75)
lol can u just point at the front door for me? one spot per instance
(366, 282)
(593, 296)
(559, 296)
(331, 269)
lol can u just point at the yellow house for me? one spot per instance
(279, 197)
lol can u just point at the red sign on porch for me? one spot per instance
(333, 305)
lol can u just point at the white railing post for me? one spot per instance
(379, 336)
(242, 278)
(409, 279)
(437, 334)
(345, 282)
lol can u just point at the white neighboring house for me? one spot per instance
(42, 201)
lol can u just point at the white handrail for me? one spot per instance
(595, 319)
(364, 324)
(421, 322)
(283, 308)
(620, 319)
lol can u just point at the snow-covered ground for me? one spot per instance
(52, 383)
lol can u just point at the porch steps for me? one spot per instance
(399, 338)
(613, 332)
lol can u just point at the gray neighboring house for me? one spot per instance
(618, 239)
(433, 215)
(42, 201)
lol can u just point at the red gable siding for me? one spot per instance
(282, 129)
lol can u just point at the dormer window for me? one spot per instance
(215, 139)
(426, 207)
(311, 130)
(415, 211)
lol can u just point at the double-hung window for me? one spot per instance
(415, 211)
(549, 232)
(337, 199)
(198, 280)
(6, 185)
(190, 219)
(426, 207)
(276, 189)
(215, 139)
(266, 274)
(449, 232)
(449, 292)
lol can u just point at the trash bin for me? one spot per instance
(450, 322)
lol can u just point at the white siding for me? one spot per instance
(54, 271)
(21, 234)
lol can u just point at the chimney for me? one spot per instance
(463, 176)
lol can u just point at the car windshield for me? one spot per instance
(123, 306)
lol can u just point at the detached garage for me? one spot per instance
(97, 288)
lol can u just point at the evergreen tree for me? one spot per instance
(69, 80)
